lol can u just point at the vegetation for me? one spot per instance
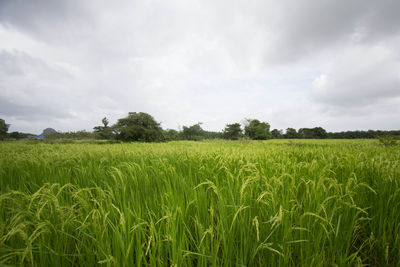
(71, 135)
(3, 129)
(277, 134)
(105, 131)
(142, 127)
(388, 140)
(257, 130)
(370, 134)
(171, 134)
(138, 127)
(312, 133)
(18, 135)
(291, 133)
(233, 131)
(194, 132)
(261, 203)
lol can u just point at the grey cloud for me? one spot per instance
(283, 31)
(31, 112)
(380, 19)
(358, 78)
(31, 88)
(16, 63)
(190, 61)
(358, 91)
(306, 28)
(52, 21)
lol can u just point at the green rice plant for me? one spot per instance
(388, 140)
(219, 203)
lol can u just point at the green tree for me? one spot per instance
(276, 134)
(194, 132)
(78, 135)
(14, 135)
(320, 133)
(213, 135)
(291, 133)
(104, 132)
(19, 135)
(312, 133)
(3, 129)
(305, 133)
(257, 130)
(171, 134)
(105, 122)
(232, 131)
(138, 127)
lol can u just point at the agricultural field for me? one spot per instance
(211, 203)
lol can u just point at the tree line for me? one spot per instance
(142, 127)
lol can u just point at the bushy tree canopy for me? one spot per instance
(275, 133)
(257, 130)
(138, 127)
(194, 132)
(104, 132)
(291, 133)
(3, 129)
(310, 133)
(171, 134)
(232, 131)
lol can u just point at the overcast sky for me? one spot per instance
(67, 64)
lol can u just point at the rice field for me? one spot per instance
(216, 203)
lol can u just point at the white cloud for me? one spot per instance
(67, 64)
(362, 76)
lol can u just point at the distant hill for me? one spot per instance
(48, 131)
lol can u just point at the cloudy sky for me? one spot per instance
(66, 64)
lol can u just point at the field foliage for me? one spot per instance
(219, 203)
